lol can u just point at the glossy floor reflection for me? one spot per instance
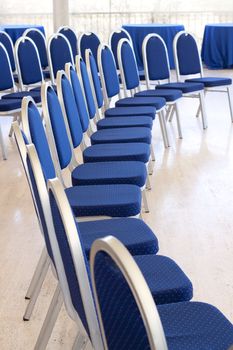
(190, 211)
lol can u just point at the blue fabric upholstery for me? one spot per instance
(7, 44)
(195, 325)
(59, 129)
(105, 200)
(72, 112)
(39, 40)
(157, 102)
(110, 72)
(20, 95)
(156, 57)
(46, 74)
(129, 66)
(121, 136)
(115, 38)
(6, 81)
(96, 81)
(211, 81)
(72, 38)
(89, 41)
(184, 87)
(101, 173)
(39, 139)
(29, 63)
(9, 105)
(131, 111)
(124, 122)
(187, 54)
(87, 90)
(117, 152)
(80, 100)
(60, 54)
(133, 233)
(169, 94)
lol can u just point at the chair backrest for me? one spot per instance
(128, 315)
(155, 59)
(128, 65)
(94, 79)
(88, 40)
(28, 62)
(70, 34)
(79, 96)
(74, 263)
(6, 40)
(83, 75)
(6, 77)
(186, 54)
(108, 73)
(59, 53)
(39, 39)
(114, 39)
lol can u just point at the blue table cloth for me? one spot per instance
(139, 31)
(217, 46)
(16, 30)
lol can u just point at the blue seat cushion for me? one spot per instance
(167, 282)
(105, 200)
(117, 152)
(169, 94)
(124, 122)
(20, 95)
(195, 326)
(133, 233)
(211, 81)
(9, 105)
(121, 135)
(101, 173)
(157, 102)
(183, 86)
(131, 112)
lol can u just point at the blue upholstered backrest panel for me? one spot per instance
(129, 66)
(123, 325)
(5, 69)
(7, 44)
(187, 53)
(72, 112)
(116, 37)
(157, 60)
(72, 38)
(40, 44)
(39, 139)
(110, 72)
(68, 261)
(80, 100)
(96, 82)
(29, 63)
(60, 54)
(89, 42)
(59, 129)
(87, 90)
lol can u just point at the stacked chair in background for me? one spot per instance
(102, 254)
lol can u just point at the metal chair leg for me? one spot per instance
(162, 129)
(80, 342)
(50, 320)
(230, 103)
(152, 153)
(165, 128)
(148, 185)
(203, 110)
(150, 168)
(178, 120)
(11, 129)
(145, 203)
(3, 147)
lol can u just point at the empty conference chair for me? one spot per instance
(188, 62)
(70, 34)
(88, 40)
(6, 40)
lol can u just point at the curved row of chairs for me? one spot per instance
(109, 274)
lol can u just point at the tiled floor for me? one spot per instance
(191, 212)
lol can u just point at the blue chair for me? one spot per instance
(157, 69)
(93, 200)
(70, 34)
(7, 42)
(76, 267)
(59, 53)
(88, 40)
(188, 62)
(131, 82)
(129, 318)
